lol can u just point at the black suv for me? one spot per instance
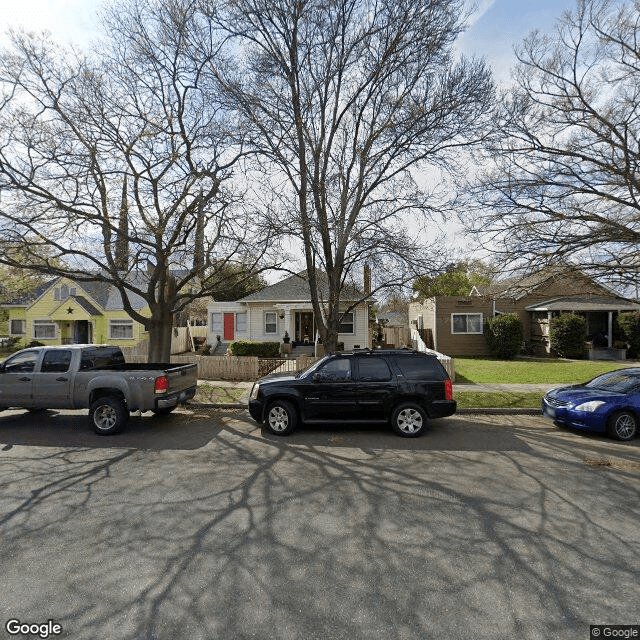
(403, 386)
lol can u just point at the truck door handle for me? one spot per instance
(24, 379)
(62, 379)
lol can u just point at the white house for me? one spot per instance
(285, 306)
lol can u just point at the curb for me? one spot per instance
(482, 411)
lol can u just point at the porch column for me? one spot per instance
(287, 322)
(610, 332)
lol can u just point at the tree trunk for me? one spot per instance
(160, 329)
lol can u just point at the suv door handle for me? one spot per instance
(24, 379)
(62, 379)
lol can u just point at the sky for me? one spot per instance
(495, 27)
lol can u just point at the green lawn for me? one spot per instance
(497, 399)
(217, 395)
(531, 370)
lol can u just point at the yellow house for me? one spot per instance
(64, 311)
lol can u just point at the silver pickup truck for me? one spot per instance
(94, 377)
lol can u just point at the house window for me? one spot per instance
(18, 327)
(466, 323)
(120, 329)
(44, 330)
(241, 322)
(216, 322)
(347, 324)
(270, 322)
(63, 292)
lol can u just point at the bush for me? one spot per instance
(568, 335)
(260, 349)
(629, 325)
(504, 335)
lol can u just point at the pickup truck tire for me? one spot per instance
(107, 415)
(409, 420)
(281, 418)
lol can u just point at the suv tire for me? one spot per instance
(409, 420)
(281, 418)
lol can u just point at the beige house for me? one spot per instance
(455, 324)
(285, 306)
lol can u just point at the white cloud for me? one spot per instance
(67, 20)
(481, 7)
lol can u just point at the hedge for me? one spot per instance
(504, 335)
(260, 349)
(568, 336)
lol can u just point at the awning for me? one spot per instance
(585, 303)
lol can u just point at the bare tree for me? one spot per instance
(119, 163)
(346, 102)
(564, 186)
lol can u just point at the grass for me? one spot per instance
(497, 399)
(531, 370)
(218, 395)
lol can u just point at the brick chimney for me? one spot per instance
(367, 279)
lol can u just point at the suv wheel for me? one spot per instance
(409, 420)
(281, 418)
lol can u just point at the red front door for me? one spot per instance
(228, 326)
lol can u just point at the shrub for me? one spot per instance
(568, 335)
(260, 349)
(629, 325)
(504, 335)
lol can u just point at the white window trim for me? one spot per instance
(219, 329)
(270, 333)
(42, 323)
(120, 322)
(353, 325)
(468, 333)
(24, 327)
(246, 322)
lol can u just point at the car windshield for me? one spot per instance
(616, 381)
(311, 368)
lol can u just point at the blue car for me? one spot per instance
(610, 402)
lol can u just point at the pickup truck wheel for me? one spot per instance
(164, 411)
(107, 415)
(409, 420)
(281, 418)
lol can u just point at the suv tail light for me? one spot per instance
(162, 384)
(448, 390)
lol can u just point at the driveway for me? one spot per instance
(202, 526)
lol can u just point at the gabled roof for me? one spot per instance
(295, 288)
(518, 288)
(104, 294)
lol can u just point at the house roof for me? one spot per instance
(295, 288)
(517, 288)
(586, 303)
(103, 294)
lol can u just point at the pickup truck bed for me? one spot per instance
(94, 377)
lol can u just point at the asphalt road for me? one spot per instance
(201, 526)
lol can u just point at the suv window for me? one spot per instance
(373, 370)
(415, 367)
(335, 370)
(57, 361)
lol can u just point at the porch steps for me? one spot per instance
(307, 349)
(221, 349)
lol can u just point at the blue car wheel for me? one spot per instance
(622, 425)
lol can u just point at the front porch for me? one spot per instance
(599, 315)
